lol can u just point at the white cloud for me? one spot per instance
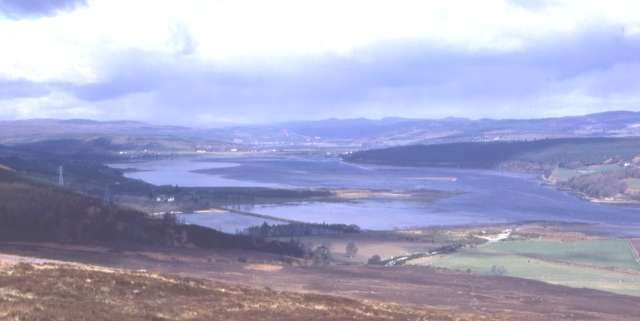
(246, 42)
(72, 46)
(54, 105)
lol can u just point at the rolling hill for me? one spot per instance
(366, 132)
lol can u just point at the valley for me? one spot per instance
(446, 231)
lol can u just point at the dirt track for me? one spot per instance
(410, 286)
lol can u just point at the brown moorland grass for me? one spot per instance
(60, 292)
(410, 286)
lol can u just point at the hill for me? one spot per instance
(533, 155)
(34, 209)
(63, 292)
(348, 129)
(133, 135)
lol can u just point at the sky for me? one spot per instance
(206, 63)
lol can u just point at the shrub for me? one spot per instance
(498, 270)
(351, 249)
(374, 259)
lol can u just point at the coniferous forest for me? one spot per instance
(33, 209)
(558, 152)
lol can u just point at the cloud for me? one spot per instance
(386, 79)
(182, 39)
(19, 9)
(249, 61)
(22, 89)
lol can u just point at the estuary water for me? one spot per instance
(489, 196)
(181, 172)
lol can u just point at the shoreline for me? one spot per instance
(583, 197)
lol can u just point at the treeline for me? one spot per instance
(249, 194)
(50, 213)
(605, 184)
(207, 238)
(98, 147)
(90, 176)
(216, 195)
(588, 151)
(298, 229)
(48, 165)
(33, 209)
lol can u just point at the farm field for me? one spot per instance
(368, 245)
(563, 174)
(480, 262)
(634, 183)
(607, 253)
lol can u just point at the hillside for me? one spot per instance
(62, 292)
(36, 209)
(607, 124)
(33, 209)
(133, 135)
(533, 155)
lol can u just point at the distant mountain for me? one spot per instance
(608, 124)
(109, 136)
(358, 131)
(406, 130)
(34, 129)
(357, 128)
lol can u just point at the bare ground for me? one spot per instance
(420, 288)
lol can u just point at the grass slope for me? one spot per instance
(526, 259)
(480, 262)
(608, 253)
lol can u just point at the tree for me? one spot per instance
(321, 254)
(264, 230)
(352, 249)
(374, 259)
(498, 270)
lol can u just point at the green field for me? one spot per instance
(481, 260)
(607, 253)
(634, 183)
(563, 174)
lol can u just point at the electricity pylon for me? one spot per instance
(107, 201)
(60, 180)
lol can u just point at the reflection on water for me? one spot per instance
(225, 222)
(492, 196)
(241, 207)
(181, 172)
(373, 215)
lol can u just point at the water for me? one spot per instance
(490, 196)
(225, 222)
(373, 215)
(181, 172)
